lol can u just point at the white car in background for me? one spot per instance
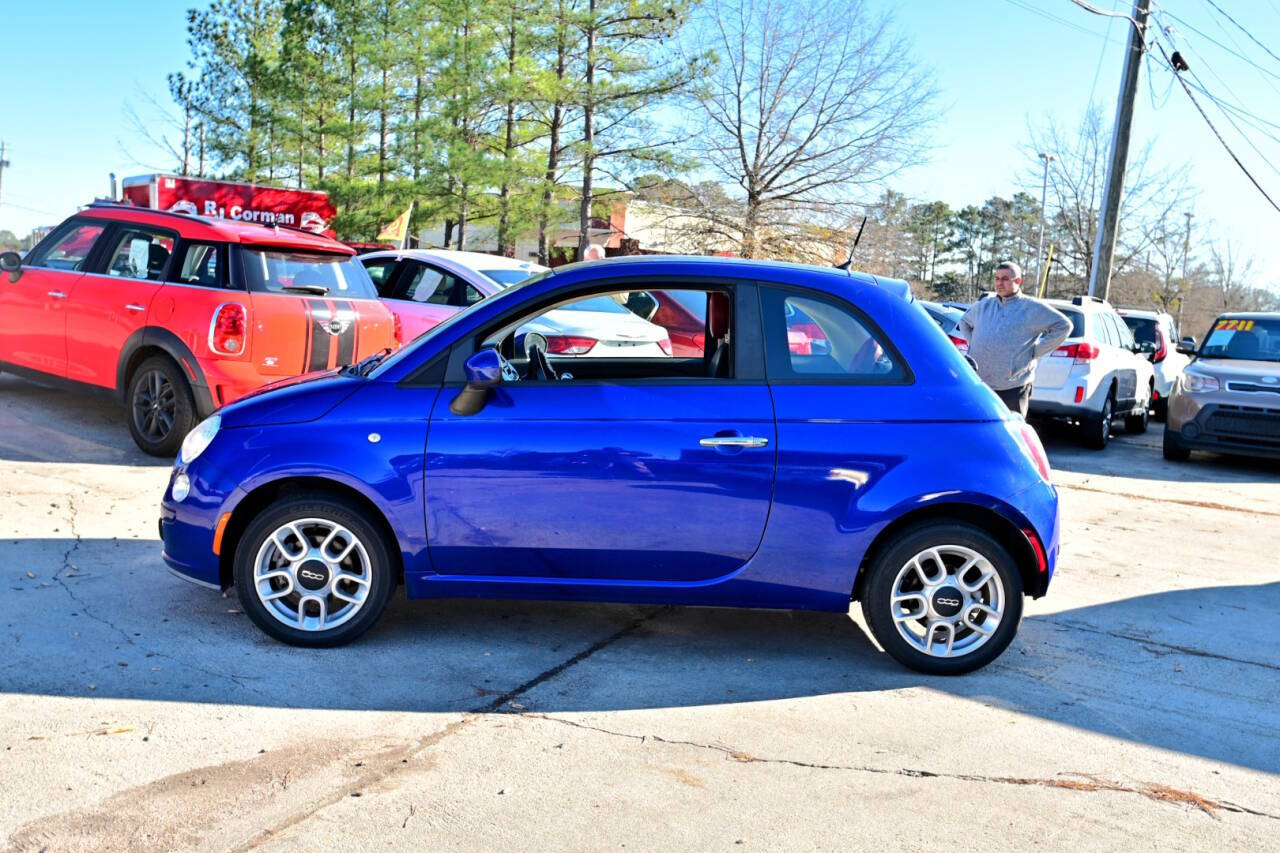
(1156, 328)
(598, 327)
(1098, 374)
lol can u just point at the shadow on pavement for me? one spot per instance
(43, 424)
(1141, 457)
(1194, 671)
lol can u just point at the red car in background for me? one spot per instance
(177, 314)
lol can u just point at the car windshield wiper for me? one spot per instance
(317, 289)
(367, 364)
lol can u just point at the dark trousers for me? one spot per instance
(1017, 399)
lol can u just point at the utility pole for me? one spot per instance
(1109, 216)
(1044, 194)
(1186, 288)
(4, 164)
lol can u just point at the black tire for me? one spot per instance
(1137, 424)
(160, 407)
(1160, 410)
(878, 593)
(1174, 451)
(1096, 431)
(334, 510)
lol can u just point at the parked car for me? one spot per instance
(1228, 398)
(176, 314)
(1157, 329)
(1098, 374)
(948, 319)
(424, 287)
(750, 477)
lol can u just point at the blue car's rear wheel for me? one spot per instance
(945, 599)
(311, 571)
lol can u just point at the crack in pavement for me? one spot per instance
(1065, 781)
(1186, 650)
(411, 752)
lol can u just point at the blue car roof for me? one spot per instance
(737, 267)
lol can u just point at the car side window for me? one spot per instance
(380, 271)
(69, 251)
(140, 253)
(1106, 334)
(201, 266)
(811, 337)
(1122, 328)
(430, 285)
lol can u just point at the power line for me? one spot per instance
(1234, 52)
(1239, 26)
(1106, 39)
(1209, 122)
(1022, 4)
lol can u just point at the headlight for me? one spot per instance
(198, 439)
(1194, 383)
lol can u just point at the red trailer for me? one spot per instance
(310, 210)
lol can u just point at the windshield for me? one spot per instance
(603, 304)
(1244, 339)
(425, 339)
(282, 271)
(506, 278)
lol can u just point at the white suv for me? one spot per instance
(1098, 374)
(1156, 328)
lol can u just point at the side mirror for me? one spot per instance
(1187, 346)
(11, 262)
(484, 371)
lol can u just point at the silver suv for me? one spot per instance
(1098, 374)
(1228, 398)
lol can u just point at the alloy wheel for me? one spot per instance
(947, 601)
(312, 574)
(155, 405)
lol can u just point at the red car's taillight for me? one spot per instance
(1081, 352)
(397, 329)
(571, 344)
(229, 329)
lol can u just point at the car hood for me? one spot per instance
(1240, 370)
(295, 400)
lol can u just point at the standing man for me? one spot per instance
(1008, 334)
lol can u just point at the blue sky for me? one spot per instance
(74, 66)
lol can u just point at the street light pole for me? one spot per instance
(1185, 289)
(1044, 194)
(1109, 216)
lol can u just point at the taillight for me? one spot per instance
(229, 329)
(571, 344)
(665, 344)
(961, 343)
(1162, 346)
(1029, 440)
(397, 328)
(1081, 352)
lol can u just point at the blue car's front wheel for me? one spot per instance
(945, 599)
(311, 571)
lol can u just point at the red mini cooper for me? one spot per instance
(177, 315)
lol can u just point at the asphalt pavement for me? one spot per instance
(1138, 708)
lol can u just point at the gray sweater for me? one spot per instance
(1006, 338)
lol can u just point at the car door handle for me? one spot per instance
(135, 308)
(733, 441)
(57, 294)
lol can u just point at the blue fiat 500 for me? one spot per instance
(819, 442)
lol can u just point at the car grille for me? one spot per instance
(1245, 423)
(1253, 388)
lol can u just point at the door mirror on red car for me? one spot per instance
(11, 262)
